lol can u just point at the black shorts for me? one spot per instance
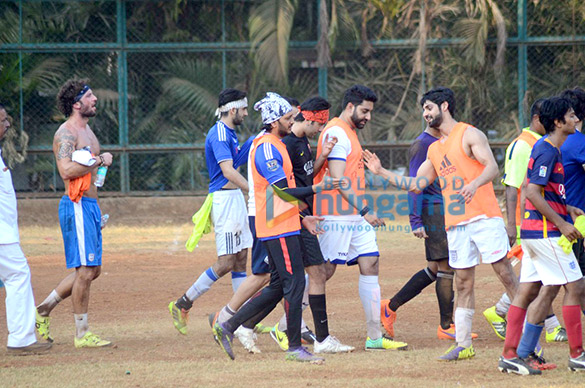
(312, 254)
(436, 247)
(259, 255)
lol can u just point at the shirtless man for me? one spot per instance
(79, 213)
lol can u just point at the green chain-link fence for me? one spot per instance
(158, 66)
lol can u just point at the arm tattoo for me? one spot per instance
(66, 146)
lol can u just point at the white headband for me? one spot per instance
(243, 103)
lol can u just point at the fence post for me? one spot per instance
(223, 49)
(322, 75)
(522, 59)
(20, 94)
(122, 95)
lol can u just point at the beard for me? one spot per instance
(359, 123)
(238, 119)
(436, 121)
(86, 111)
(282, 129)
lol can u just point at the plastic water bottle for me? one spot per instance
(104, 220)
(101, 176)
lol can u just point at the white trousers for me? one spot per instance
(20, 302)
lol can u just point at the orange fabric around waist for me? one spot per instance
(455, 169)
(274, 216)
(330, 202)
(78, 186)
(531, 141)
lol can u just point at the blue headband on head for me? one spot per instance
(81, 93)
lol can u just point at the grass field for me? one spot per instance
(146, 267)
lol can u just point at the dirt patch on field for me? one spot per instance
(145, 267)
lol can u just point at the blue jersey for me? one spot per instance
(221, 144)
(573, 152)
(545, 169)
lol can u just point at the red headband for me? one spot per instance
(320, 116)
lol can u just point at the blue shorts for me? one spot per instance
(259, 254)
(82, 233)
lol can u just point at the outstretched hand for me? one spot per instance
(328, 182)
(372, 161)
(328, 145)
(311, 223)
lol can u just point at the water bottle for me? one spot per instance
(101, 176)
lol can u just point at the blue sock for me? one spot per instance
(202, 284)
(237, 279)
(529, 339)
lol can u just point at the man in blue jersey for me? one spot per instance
(573, 152)
(545, 266)
(229, 212)
(278, 227)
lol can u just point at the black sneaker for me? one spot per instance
(308, 337)
(516, 365)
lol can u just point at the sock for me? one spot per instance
(225, 313)
(184, 303)
(446, 297)
(319, 310)
(81, 324)
(551, 323)
(463, 321)
(237, 279)
(49, 303)
(573, 327)
(369, 290)
(418, 282)
(529, 339)
(283, 326)
(306, 293)
(503, 305)
(515, 319)
(202, 284)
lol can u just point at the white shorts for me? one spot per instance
(484, 240)
(545, 261)
(230, 221)
(344, 241)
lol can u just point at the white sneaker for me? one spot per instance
(247, 337)
(331, 345)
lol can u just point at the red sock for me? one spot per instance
(572, 318)
(516, 317)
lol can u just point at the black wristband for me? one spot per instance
(364, 211)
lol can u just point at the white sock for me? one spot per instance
(551, 323)
(225, 314)
(503, 305)
(463, 321)
(369, 289)
(51, 302)
(306, 293)
(202, 284)
(81, 324)
(282, 325)
(237, 279)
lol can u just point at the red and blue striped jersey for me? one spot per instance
(545, 169)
